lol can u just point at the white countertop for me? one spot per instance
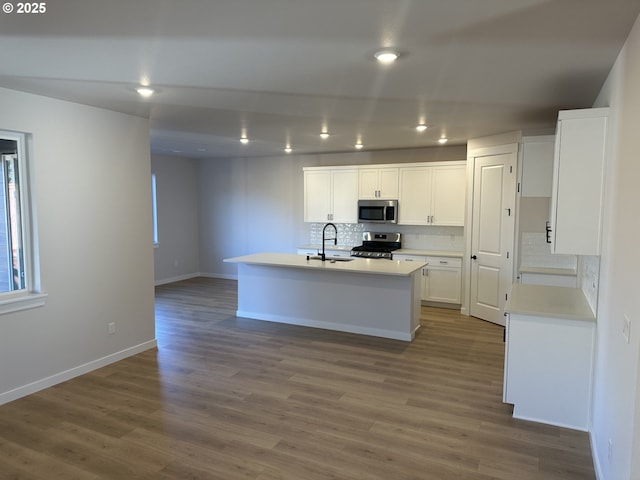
(549, 301)
(355, 265)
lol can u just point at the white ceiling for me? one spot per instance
(283, 69)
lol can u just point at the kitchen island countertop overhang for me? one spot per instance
(355, 265)
(365, 296)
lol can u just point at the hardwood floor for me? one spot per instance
(228, 398)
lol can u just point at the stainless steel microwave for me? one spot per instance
(377, 211)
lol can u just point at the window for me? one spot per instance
(18, 282)
(154, 209)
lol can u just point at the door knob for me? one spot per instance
(473, 257)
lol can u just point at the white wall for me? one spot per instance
(92, 193)
(616, 406)
(247, 206)
(176, 256)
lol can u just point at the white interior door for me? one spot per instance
(492, 231)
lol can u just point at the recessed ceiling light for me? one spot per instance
(324, 135)
(288, 149)
(358, 145)
(145, 92)
(443, 140)
(244, 140)
(421, 128)
(386, 56)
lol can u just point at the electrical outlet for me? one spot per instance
(610, 451)
(626, 328)
(112, 328)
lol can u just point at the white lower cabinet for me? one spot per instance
(441, 278)
(548, 368)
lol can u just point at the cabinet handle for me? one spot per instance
(548, 230)
(444, 262)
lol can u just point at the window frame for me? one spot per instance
(31, 296)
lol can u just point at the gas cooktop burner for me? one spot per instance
(377, 245)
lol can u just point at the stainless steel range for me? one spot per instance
(377, 245)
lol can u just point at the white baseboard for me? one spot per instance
(179, 278)
(38, 385)
(189, 276)
(340, 327)
(596, 460)
(219, 275)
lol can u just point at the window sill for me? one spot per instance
(23, 302)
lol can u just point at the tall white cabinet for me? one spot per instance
(578, 181)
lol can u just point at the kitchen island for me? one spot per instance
(366, 296)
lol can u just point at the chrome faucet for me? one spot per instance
(323, 257)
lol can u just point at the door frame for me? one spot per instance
(512, 145)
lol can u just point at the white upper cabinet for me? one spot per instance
(449, 194)
(432, 195)
(427, 193)
(378, 183)
(331, 195)
(414, 201)
(537, 166)
(578, 181)
(317, 195)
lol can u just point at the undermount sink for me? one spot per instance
(330, 259)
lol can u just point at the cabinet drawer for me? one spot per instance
(410, 258)
(337, 253)
(445, 262)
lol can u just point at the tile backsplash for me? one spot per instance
(589, 279)
(450, 239)
(536, 252)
